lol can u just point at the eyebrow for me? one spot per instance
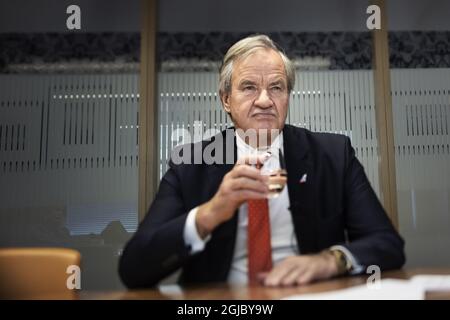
(278, 82)
(246, 82)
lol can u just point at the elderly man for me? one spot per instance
(219, 222)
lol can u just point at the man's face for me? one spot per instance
(259, 96)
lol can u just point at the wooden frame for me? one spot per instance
(148, 154)
(383, 110)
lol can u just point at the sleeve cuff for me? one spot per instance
(190, 233)
(357, 268)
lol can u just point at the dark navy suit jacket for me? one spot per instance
(336, 205)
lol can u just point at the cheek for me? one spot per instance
(241, 106)
(282, 106)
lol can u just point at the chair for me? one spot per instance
(36, 273)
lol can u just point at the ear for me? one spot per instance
(225, 98)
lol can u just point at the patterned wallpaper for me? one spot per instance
(58, 48)
(120, 51)
(345, 50)
(419, 49)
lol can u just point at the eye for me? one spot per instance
(249, 88)
(277, 88)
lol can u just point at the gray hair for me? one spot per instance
(244, 48)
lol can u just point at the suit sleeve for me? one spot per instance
(157, 249)
(372, 238)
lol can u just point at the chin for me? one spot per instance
(266, 125)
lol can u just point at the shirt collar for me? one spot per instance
(245, 149)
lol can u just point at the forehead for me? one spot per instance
(262, 62)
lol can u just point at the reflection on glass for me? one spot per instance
(277, 176)
(277, 181)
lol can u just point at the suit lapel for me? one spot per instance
(300, 169)
(225, 160)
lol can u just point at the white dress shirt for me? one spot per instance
(283, 240)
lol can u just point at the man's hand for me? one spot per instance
(242, 183)
(299, 270)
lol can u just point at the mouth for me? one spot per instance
(263, 115)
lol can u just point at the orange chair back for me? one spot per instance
(35, 273)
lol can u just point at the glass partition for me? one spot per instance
(419, 42)
(68, 132)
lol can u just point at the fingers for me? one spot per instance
(281, 271)
(253, 159)
(247, 182)
(243, 183)
(297, 270)
(247, 171)
(292, 277)
(261, 277)
(305, 278)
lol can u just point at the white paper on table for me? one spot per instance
(432, 282)
(170, 289)
(388, 289)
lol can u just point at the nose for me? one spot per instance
(263, 100)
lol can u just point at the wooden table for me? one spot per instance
(222, 291)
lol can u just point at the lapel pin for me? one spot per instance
(304, 177)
